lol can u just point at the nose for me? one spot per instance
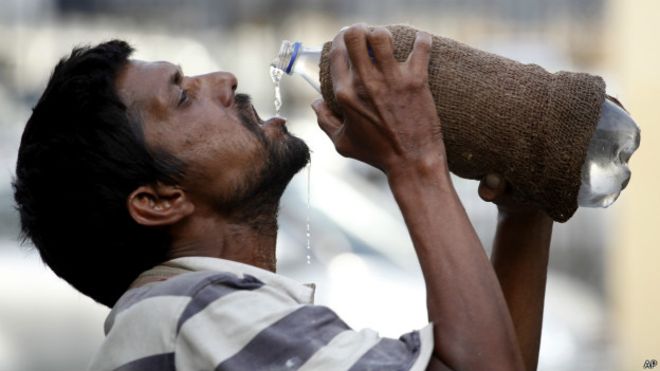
(221, 86)
(624, 184)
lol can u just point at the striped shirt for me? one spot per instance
(216, 314)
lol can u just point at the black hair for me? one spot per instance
(81, 155)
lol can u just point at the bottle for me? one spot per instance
(294, 58)
(605, 172)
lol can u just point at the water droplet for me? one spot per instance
(309, 213)
(276, 75)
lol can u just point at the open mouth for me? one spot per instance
(255, 116)
(277, 121)
(251, 119)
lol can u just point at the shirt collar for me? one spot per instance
(303, 294)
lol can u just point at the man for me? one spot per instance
(157, 194)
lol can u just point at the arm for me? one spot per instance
(520, 259)
(389, 121)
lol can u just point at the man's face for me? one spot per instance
(232, 158)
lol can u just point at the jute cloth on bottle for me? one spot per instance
(501, 116)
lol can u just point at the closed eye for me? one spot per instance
(183, 98)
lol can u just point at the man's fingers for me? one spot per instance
(492, 187)
(327, 120)
(421, 52)
(355, 38)
(339, 64)
(380, 40)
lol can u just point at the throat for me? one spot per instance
(250, 243)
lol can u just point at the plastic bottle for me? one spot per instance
(605, 172)
(294, 58)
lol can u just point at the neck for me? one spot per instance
(249, 242)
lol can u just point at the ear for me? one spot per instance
(159, 205)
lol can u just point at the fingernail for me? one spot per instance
(493, 181)
(318, 101)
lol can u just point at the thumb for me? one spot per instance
(492, 187)
(327, 120)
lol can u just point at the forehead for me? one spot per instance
(141, 84)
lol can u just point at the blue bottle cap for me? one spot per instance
(294, 55)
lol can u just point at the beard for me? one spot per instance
(257, 199)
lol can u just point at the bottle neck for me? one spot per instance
(287, 56)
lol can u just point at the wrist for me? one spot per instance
(430, 166)
(529, 218)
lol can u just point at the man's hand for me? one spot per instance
(520, 259)
(389, 117)
(494, 188)
(389, 121)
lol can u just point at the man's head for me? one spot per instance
(118, 152)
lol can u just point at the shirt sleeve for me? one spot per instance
(263, 330)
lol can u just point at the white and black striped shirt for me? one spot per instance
(215, 314)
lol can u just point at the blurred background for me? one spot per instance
(603, 298)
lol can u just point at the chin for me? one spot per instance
(299, 151)
(286, 157)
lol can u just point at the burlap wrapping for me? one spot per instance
(502, 116)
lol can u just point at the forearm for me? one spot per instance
(472, 325)
(520, 259)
